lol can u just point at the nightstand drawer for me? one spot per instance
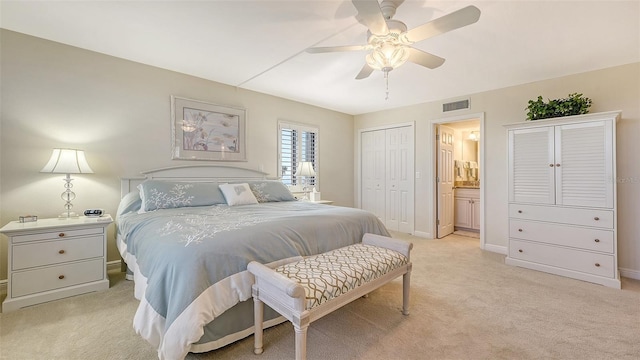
(55, 252)
(56, 277)
(63, 234)
(559, 234)
(582, 261)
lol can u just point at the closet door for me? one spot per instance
(373, 172)
(584, 170)
(531, 165)
(405, 179)
(392, 180)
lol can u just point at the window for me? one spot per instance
(297, 143)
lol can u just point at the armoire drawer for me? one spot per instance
(559, 234)
(586, 217)
(28, 255)
(57, 235)
(577, 260)
(55, 277)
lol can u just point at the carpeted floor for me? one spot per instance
(465, 304)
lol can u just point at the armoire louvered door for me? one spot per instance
(563, 165)
(583, 164)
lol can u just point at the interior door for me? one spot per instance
(406, 179)
(392, 179)
(373, 172)
(445, 181)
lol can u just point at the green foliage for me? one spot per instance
(574, 104)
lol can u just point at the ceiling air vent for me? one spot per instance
(456, 105)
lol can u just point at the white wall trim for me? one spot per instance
(495, 248)
(422, 234)
(630, 273)
(113, 265)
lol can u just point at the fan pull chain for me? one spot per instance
(386, 80)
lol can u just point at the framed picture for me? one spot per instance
(203, 131)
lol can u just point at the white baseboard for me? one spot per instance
(630, 273)
(422, 234)
(496, 249)
(113, 265)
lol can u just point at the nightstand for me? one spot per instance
(51, 259)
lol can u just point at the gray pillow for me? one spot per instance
(156, 194)
(270, 191)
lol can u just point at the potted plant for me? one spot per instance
(574, 104)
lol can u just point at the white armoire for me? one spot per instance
(562, 197)
(387, 176)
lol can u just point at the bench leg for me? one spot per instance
(258, 314)
(301, 341)
(406, 280)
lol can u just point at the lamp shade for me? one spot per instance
(67, 161)
(305, 168)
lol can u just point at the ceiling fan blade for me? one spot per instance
(370, 15)
(317, 50)
(365, 72)
(457, 19)
(424, 58)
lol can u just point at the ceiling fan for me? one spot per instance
(390, 41)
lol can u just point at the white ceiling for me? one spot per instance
(259, 45)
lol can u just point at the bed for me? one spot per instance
(187, 234)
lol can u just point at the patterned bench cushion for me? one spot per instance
(328, 275)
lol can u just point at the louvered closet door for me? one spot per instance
(584, 170)
(531, 166)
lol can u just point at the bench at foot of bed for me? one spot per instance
(306, 290)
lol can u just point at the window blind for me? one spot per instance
(297, 143)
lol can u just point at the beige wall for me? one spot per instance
(118, 111)
(616, 88)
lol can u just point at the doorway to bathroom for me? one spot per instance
(458, 159)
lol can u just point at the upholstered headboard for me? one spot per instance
(219, 173)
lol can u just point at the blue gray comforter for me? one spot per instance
(193, 260)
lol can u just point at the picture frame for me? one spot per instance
(205, 131)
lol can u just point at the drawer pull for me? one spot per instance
(550, 165)
(597, 240)
(557, 165)
(520, 230)
(596, 218)
(520, 250)
(519, 211)
(61, 252)
(61, 235)
(61, 277)
(597, 265)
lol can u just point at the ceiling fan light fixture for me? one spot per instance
(387, 56)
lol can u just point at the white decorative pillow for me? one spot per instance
(238, 194)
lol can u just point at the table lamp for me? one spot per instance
(67, 161)
(305, 168)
